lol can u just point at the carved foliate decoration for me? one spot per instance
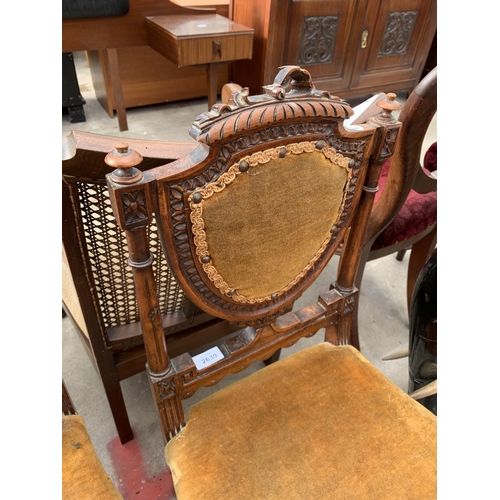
(166, 388)
(397, 33)
(318, 40)
(389, 142)
(349, 304)
(290, 82)
(134, 206)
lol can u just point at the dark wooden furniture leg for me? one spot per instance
(275, 357)
(212, 84)
(115, 398)
(72, 100)
(401, 254)
(106, 368)
(114, 71)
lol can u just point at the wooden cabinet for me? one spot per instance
(351, 47)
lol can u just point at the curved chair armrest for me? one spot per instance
(87, 150)
(415, 117)
(425, 182)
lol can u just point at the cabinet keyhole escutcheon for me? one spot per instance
(364, 39)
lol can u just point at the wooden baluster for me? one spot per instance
(131, 203)
(388, 128)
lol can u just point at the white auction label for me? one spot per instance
(208, 358)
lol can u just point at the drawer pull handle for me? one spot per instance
(216, 50)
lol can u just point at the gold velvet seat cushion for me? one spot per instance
(323, 423)
(83, 477)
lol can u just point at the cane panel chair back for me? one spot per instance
(248, 221)
(97, 285)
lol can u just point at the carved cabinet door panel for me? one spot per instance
(320, 42)
(394, 41)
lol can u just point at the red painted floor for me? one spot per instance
(133, 481)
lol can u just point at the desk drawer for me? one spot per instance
(202, 39)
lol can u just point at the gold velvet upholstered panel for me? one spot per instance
(283, 197)
(323, 423)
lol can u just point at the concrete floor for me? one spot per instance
(138, 468)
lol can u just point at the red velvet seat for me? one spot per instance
(404, 213)
(417, 214)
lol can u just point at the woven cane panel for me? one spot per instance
(108, 254)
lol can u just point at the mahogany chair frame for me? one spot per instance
(405, 174)
(172, 192)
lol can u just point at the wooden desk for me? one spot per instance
(201, 39)
(126, 71)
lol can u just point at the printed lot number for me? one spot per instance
(208, 358)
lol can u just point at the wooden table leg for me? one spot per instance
(212, 69)
(116, 83)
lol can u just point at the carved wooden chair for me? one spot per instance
(98, 292)
(405, 210)
(248, 222)
(83, 476)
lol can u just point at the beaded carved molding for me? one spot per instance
(196, 202)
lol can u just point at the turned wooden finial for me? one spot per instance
(124, 160)
(388, 106)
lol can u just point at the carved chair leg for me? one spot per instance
(355, 328)
(420, 253)
(168, 404)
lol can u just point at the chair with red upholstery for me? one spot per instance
(404, 214)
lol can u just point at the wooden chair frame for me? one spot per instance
(117, 351)
(172, 191)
